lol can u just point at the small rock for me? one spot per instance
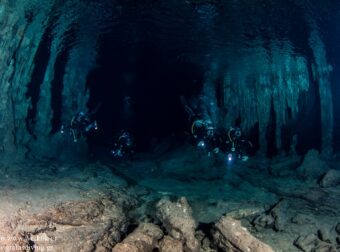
(263, 221)
(142, 239)
(229, 235)
(279, 214)
(337, 228)
(306, 243)
(314, 195)
(178, 221)
(324, 235)
(126, 247)
(274, 218)
(206, 244)
(204, 241)
(284, 167)
(312, 166)
(246, 212)
(169, 244)
(302, 219)
(324, 247)
(330, 179)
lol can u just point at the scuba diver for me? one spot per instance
(236, 145)
(123, 146)
(203, 132)
(216, 140)
(205, 136)
(80, 126)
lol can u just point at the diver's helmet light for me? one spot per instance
(230, 157)
(201, 144)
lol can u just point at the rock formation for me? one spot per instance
(142, 239)
(177, 219)
(312, 167)
(70, 226)
(231, 236)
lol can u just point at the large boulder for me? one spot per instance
(177, 219)
(331, 179)
(142, 239)
(312, 167)
(302, 219)
(229, 235)
(73, 226)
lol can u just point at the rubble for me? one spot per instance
(229, 235)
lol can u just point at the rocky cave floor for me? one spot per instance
(171, 203)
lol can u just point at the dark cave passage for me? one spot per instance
(141, 92)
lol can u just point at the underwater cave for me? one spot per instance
(179, 125)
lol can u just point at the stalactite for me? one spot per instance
(209, 99)
(82, 58)
(74, 30)
(321, 73)
(43, 127)
(290, 78)
(250, 88)
(75, 94)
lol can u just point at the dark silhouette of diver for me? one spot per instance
(236, 144)
(124, 146)
(81, 124)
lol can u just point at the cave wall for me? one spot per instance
(21, 31)
(28, 114)
(63, 91)
(267, 74)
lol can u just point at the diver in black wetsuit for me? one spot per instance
(236, 144)
(123, 146)
(205, 136)
(80, 126)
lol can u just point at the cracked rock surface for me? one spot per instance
(177, 219)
